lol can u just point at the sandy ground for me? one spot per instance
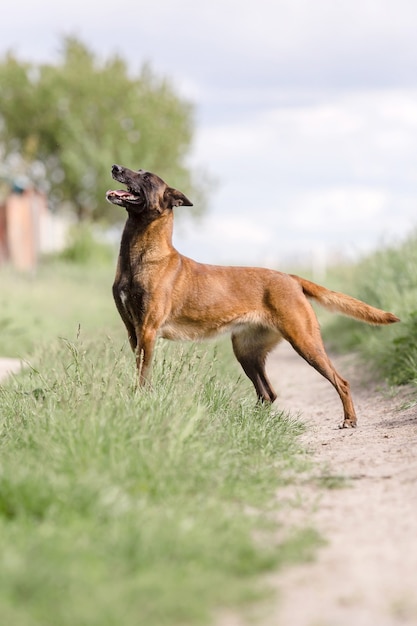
(366, 574)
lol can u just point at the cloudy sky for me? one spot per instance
(306, 111)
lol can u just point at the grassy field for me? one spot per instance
(61, 296)
(126, 507)
(387, 279)
(153, 507)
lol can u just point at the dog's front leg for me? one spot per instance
(144, 353)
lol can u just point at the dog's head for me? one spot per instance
(146, 193)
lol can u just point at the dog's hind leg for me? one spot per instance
(251, 346)
(303, 333)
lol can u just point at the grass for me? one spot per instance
(153, 507)
(386, 279)
(35, 309)
(126, 507)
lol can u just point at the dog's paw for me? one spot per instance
(348, 424)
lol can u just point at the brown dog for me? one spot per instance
(159, 292)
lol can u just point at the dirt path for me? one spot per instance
(366, 575)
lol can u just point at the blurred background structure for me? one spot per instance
(28, 229)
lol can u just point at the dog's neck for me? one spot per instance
(146, 241)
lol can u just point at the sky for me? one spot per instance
(305, 112)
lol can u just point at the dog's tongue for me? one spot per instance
(118, 192)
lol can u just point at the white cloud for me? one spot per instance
(336, 208)
(222, 42)
(333, 169)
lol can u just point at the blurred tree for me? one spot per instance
(66, 124)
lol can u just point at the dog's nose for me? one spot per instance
(116, 169)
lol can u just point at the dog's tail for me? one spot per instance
(341, 303)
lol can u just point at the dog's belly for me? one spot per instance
(193, 330)
(189, 332)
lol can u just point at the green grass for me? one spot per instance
(37, 308)
(120, 506)
(386, 279)
(125, 507)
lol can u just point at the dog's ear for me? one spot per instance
(173, 197)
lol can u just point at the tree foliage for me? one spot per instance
(64, 125)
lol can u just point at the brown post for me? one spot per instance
(23, 212)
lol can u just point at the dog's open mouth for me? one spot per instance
(119, 196)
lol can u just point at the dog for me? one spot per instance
(161, 293)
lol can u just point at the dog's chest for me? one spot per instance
(129, 298)
(123, 297)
